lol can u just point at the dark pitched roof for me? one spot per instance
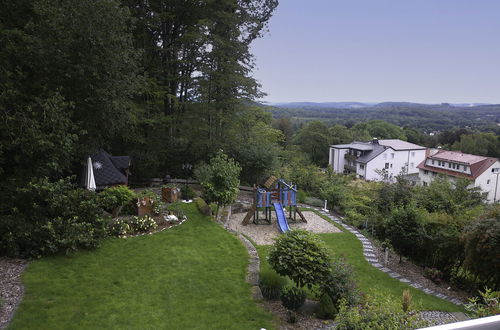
(120, 162)
(377, 150)
(108, 170)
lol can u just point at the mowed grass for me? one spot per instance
(369, 278)
(188, 277)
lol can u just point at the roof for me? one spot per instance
(397, 144)
(108, 169)
(377, 150)
(478, 164)
(457, 156)
(362, 146)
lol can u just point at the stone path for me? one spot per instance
(372, 259)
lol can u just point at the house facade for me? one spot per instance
(482, 171)
(377, 160)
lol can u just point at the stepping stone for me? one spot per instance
(385, 269)
(394, 275)
(416, 285)
(429, 291)
(404, 280)
(369, 255)
(376, 264)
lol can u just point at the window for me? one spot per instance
(433, 162)
(488, 182)
(425, 184)
(426, 172)
(386, 165)
(413, 153)
(449, 165)
(362, 166)
(392, 155)
(412, 165)
(391, 165)
(358, 153)
(434, 173)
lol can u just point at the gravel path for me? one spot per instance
(11, 288)
(265, 234)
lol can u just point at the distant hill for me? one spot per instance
(426, 117)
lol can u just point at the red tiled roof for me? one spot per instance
(478, 164)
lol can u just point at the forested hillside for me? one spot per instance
(424, 117)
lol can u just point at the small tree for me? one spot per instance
(301, 256)
(404, 230)
(219, 179)
(482, 243)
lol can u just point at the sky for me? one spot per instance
(427, 51)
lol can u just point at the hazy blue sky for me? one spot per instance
(428, 51)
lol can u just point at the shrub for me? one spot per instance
(405, 230)
(271, 284)
(119, 227)
(433, 274)
(406, 301)
(292, 297)
(326, 308)
(142, 224)
(187, 192)
(313, 201)
(130, 208)
(114, 198)
(301, 256)
(487, 305)
(202, 206)
(378, 313)
(50, 217)
(339, 283)
(482, 243)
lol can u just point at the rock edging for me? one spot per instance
(253, 268)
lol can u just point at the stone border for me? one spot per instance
(253, 268)
(370, 256)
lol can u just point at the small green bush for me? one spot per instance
(292, 297)
(271, 284)
(130, 208)
(202, 206)
(379, 312)
(339, 283)
(187, 192)
(114, 198)
(326, 308)
(302, 256)
(486, 305)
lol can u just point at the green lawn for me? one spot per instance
(188, 277)
(369, 278)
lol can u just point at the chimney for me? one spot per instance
(375, 140)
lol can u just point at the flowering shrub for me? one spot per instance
(433, 274)
(118, 227)
(143, 224)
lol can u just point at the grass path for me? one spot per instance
(369, 278)
(188, 277)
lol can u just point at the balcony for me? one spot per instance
(350, 157)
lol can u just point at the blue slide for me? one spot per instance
(280, 214)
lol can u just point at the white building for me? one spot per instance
(481, 171)
(368, 160)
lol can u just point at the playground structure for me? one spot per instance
(281, 196)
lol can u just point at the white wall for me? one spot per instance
(337, 159)
(482, 182)
(397, 160)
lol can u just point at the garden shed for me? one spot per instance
(107, 170)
